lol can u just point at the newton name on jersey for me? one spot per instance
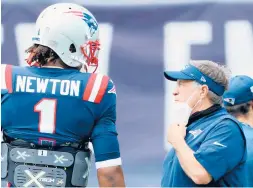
(30, 84)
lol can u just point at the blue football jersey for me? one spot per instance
(56, 106)
(248, 131)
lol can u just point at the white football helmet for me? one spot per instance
(72, 32)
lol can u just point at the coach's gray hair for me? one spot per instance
(220, 74)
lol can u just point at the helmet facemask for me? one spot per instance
(90, 50)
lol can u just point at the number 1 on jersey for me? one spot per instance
(47, 115)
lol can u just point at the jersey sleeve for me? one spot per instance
(222, 150)
(104, 135)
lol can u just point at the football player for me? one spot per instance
(51, 110)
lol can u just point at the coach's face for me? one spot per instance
(186, 89)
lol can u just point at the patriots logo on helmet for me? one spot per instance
(230, 100)
(91, 22)
(93, 25)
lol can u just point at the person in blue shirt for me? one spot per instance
(208, 144)
(238, 101)
(51, 110)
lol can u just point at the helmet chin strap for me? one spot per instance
(95, 69)
(85, 68)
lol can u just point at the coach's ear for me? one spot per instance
(204, 91)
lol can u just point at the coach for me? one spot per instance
(209, 147)
(238, 101)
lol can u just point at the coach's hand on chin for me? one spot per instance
(194, 170)
(176, 134)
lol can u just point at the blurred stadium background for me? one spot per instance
(141, 38)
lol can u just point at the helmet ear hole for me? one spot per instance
(72, 48)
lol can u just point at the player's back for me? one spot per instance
(50, 105)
